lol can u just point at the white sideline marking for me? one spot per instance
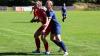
(11, 30)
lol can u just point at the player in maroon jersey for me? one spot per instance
(43, 31)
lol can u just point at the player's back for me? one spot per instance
(41, 14)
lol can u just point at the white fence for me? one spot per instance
(28, 8)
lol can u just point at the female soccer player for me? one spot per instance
(64, 8)
(55, 27)
(43, 31)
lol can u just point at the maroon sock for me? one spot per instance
(37, 41)
(46, 46)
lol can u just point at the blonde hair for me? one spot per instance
(39, 3)
(50, 2)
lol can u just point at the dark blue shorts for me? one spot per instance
(56, 30)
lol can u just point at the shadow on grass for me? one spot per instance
(25, 53)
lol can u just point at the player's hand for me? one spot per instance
(44, 25)
(43, 32)
(43, 35)
(35, 20)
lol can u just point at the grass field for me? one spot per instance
(81, 33)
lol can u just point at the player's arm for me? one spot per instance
(47, 23)
(35, 18)
(48, 19)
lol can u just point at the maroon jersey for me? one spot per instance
(41, 14)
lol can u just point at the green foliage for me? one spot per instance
(93, 9)
(56, 2)
(87, 1)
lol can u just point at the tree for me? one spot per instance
(3, 2)
(97, 1)
(56, 2)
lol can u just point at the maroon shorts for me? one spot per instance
(39, 31)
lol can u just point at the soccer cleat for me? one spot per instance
(65, 54)
(36, 51)
(47, 52)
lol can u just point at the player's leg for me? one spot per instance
(45, 42)
(61, 44)
(37, 40)
(53, 39)
(58, 38)
(57, 34)
(64, 16)
(52, 36)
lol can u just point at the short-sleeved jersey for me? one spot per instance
(52, 15)
(41, 14)
(64, 8)
(55, 26)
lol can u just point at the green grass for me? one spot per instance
(80, 32)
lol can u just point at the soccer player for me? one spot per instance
(64, 12)
(55, 35)
(43, 31)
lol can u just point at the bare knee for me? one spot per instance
(52, 38)
(58, 38)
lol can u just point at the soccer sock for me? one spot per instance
(62, 46)
(46, 46)
(56, 42)
(37, 41)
